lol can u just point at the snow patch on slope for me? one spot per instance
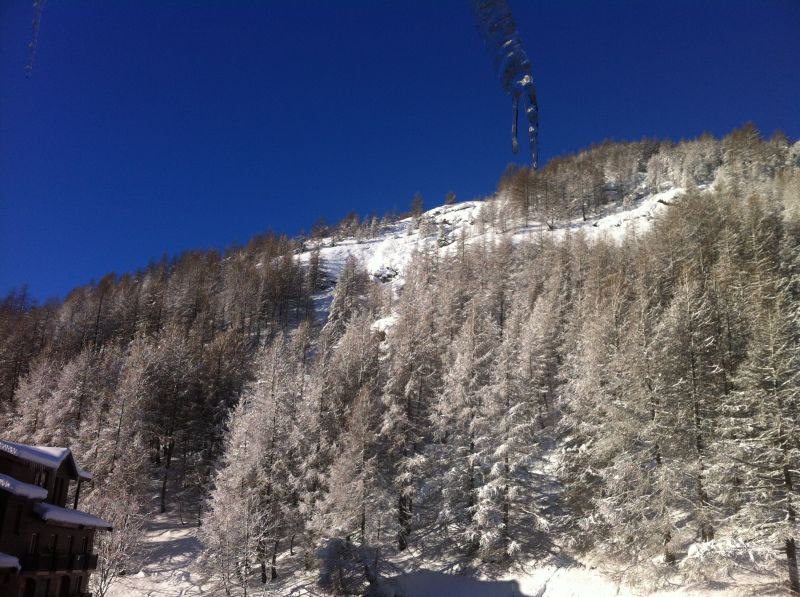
(386, 256)
(392, 250)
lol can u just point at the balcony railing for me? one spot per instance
(37, 562)
(62, 562)
(40, 562)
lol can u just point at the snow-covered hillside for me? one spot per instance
(549, 560)
(172, 548)
(386, 256)
(566, 390)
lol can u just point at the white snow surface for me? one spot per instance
(171, 551)
(392, 250)
(20, 489)
(383, 324)
(45, 456)
(7, 561)
(57, 514)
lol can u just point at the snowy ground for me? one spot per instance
(171, 549)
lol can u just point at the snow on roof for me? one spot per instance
(7, 561)
(18, 488)
(56, 514)
(45, 456)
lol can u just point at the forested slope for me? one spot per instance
(522, 381)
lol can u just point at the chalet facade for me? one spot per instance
(45, 546)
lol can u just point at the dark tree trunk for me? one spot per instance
(273, 572)
(404, 520)
(791, 560)
(167, 461)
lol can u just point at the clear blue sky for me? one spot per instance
(154, 127)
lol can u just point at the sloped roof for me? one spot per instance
(59, 515)
(8, 562)
(45, 456)
(20, 489)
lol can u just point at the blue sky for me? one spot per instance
(155, 127)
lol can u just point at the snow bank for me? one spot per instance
(383, 324)
(18, 488)
(56, 514)
(7, 561)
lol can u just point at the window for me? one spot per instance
(85, 545)
(70, 539)
(40, 478)
(51, 547)
(34, 543)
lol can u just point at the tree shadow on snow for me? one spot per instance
(430, 583)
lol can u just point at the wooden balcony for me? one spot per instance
(36, 562)
(41, 562)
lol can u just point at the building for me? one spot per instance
(45, 546)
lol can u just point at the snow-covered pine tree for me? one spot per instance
(761, 439)
(234, 526)
(460, 423)
(413, 377)
(687, 386)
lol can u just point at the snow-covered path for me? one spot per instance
(170, 550)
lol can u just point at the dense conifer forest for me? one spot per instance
(525, 394)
